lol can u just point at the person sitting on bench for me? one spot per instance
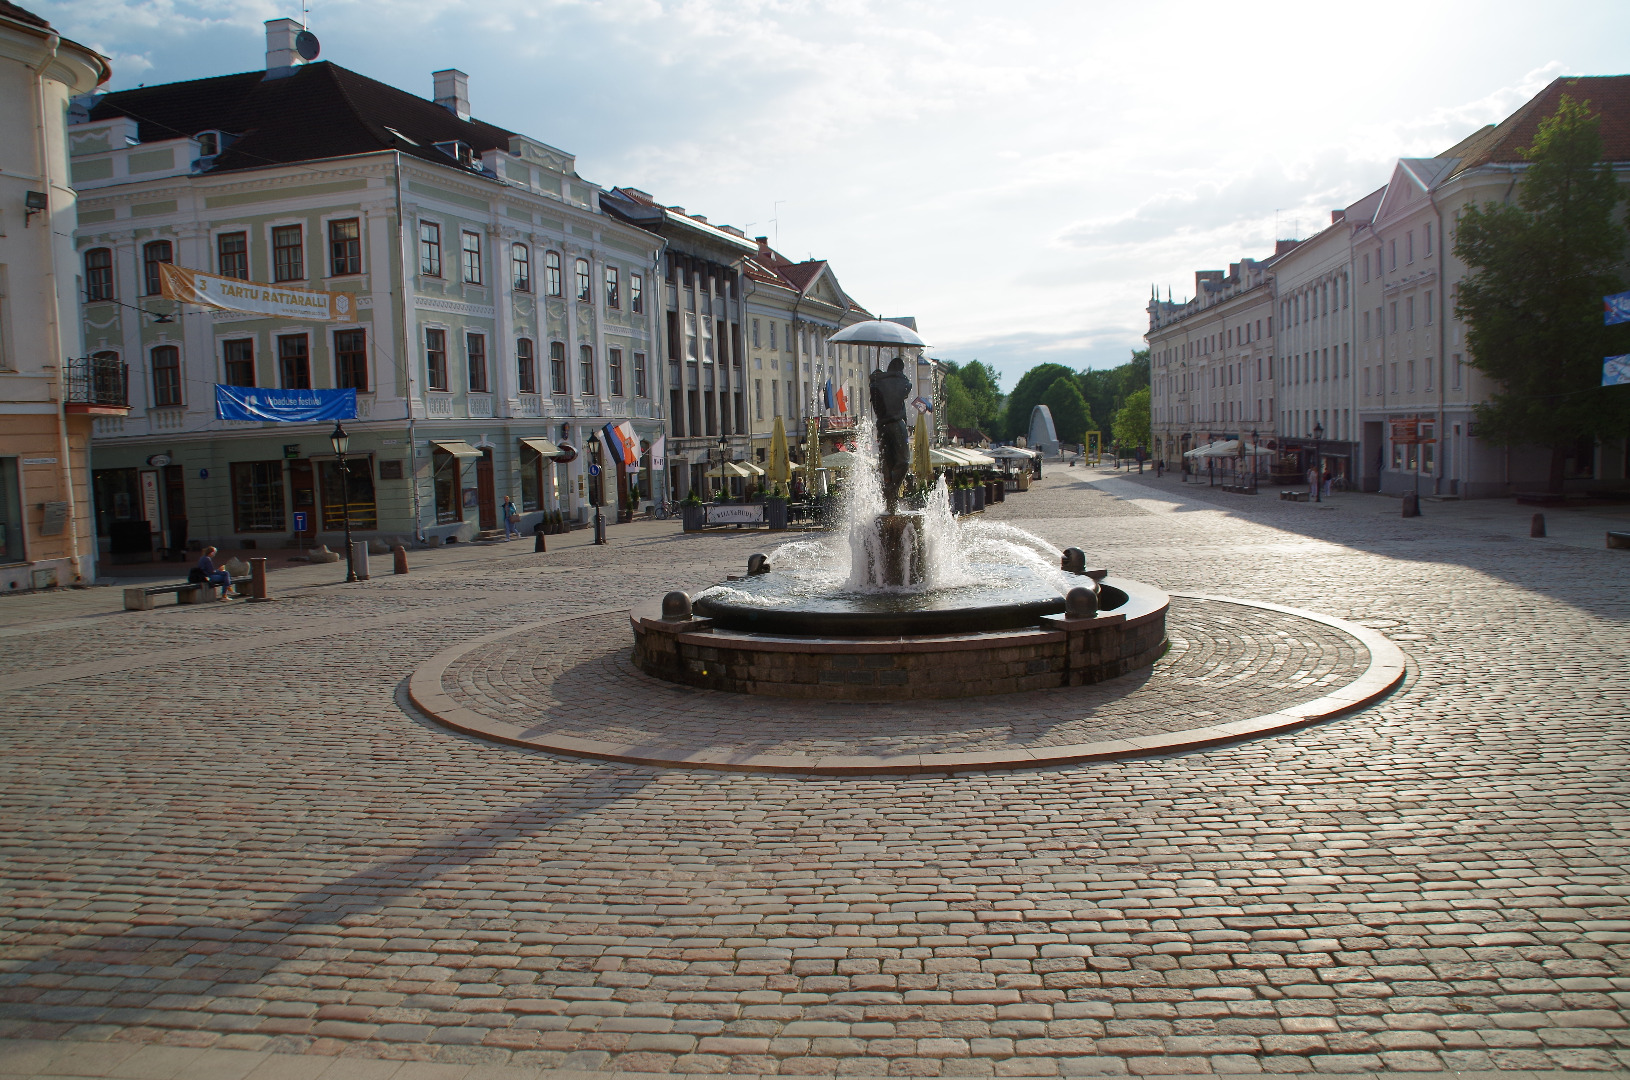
(206, 574)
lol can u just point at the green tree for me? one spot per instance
(1132, 421)
(1106, 390)
(1532, 299)
(972, 396)
(1069, 408)
(1027, 394)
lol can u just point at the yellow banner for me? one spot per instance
(236, 294)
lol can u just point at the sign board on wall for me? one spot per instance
(149, 499)
(1407, 430)
(56, 518)
(728, 514)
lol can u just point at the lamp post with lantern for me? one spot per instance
(1318, 462)
(724, 455)
(341, 443)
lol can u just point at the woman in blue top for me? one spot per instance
(210, 576)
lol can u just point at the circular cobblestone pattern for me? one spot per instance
(573, 686)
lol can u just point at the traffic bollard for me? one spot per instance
(359, 559)
(537, 538)
(400, 553)
(257, 579)
(1536, 527)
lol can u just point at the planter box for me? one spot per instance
(693, 517)
(775, 513)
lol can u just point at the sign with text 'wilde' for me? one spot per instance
(286, 406)
(236, 294)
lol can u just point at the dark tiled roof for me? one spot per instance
(801, 274)
(320, 111)
(22, 15)
(1607, 95)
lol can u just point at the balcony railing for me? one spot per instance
(100, 381)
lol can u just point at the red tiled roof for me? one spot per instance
(320, 111)
(22, 15)
(1607, 95)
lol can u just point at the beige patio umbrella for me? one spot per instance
(920, 461)
(780, 469)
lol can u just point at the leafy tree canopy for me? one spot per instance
(1532, 299)
(1027, 394)
(1132, 420)
(972, 397)
(1070, 416)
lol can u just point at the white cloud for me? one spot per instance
(1016, 176)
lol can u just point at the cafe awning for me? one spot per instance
(542, 446)
(457, 447)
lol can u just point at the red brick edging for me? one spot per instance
(1385, 671)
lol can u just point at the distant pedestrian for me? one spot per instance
(1312, 482)
(205, 573)
(1160, 468)
(1327, 478)
(512, 516)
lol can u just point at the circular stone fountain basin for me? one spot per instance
(1048, 650)
(781, 602)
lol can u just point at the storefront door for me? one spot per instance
(485, 496)
(175, 507)
(303, 484)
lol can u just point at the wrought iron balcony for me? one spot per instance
(98, 384)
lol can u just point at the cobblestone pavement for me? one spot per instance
(1226, 663)
(221, 833)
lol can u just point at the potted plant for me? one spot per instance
(775, 507)
(693, 514)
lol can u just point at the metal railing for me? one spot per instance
(98, 380)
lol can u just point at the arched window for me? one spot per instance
(520, 268)
(152, 254)
(551, 270)
(98, 274)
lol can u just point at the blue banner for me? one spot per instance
(1616, 370)
(289, 406)
(1616, 308)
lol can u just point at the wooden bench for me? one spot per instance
(1618, 539)
(140, 598)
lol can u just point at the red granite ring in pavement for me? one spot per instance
(1236, 669)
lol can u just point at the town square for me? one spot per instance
(470, 616)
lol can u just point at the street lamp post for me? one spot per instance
(597, 487)
(1318, 463)
(341, 443)
(724, 454)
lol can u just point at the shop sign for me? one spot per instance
(1406, 430)
(149, 499)
(726, 514)
(56, 517)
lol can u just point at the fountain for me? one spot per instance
(903, 603)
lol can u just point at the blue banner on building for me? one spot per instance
(1616, 308)
(291, 406)
(1616, 370)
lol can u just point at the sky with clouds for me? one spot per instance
(1016, 175)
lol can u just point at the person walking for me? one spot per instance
(1312, 482)
(1328, 476)
(512, 526)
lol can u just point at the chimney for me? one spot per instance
(763, 243)
(281, 59)
(453, 92)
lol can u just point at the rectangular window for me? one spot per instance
(758, 399)
(1409, 246)
(551, 272)
(435, 359)
(526, 368)
(353, 493)
(1458, 362)
(1366, 266)
(232, 255)
(772, 336)
(152, 255)
(446, 473)
(585, 292)
(557, 367)
(1366, 326)
(344, 247)
(475, 351)
(11, 509)
(533, 465)
(641, 389)
(166, 375)
(1366, 382)
(1428, 366)
(585, 372)
(288, 253)
(1428, 236)
(294, 361)
(1409, 312)
(257, 496)
(1428, 309)
(636, 293)
(470, 247)
(520, 268)
(351, 360)
(429, 249)
(239, 357)
(614, 371)
(614, 296)
(1392, 251)
(1394, 312)
(99, 274)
